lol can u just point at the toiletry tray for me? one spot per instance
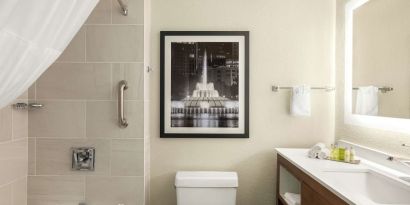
(356, 161)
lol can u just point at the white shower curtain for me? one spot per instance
(33, 33)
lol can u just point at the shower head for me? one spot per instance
(124, 7)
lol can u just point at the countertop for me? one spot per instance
(316, 168)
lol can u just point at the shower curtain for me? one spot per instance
(33, 33)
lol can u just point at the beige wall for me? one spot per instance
(378, 139)
(381, 53)
(13, 155)
(79, 93)
(291, 42)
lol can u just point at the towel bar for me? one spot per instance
(276, 88)
(383, 89)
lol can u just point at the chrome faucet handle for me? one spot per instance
(403, 161)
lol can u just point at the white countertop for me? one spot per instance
(316, 168)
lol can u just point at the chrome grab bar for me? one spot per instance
(122, 121)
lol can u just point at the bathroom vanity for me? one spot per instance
(324, 182)
(312, 191)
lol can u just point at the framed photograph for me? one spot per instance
(204, 84)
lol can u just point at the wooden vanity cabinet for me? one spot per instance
(312, 192)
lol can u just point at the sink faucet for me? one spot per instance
(401, 160)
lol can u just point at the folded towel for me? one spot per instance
(313, 154)
(367, 101)
(300, 103)
(318, 146)
(292, 198)
(319, 151)
(323, 154)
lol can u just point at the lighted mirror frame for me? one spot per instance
(384, 123)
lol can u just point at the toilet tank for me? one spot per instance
(206, 188)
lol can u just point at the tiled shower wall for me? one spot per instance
(13, 155)
(79, 93)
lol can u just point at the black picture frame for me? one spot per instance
(245, 133)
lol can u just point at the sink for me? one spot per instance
(406, 179)
(370, 187)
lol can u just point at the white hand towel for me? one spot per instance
(300, 102)
(292, 198)
(367, 101)
(318, 151)
(318, 146)
(313, 154)
(323, 154)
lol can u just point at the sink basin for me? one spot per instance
(406, 179)
(370, 187)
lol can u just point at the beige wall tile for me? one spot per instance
(101, 13)
(75, 51)
(32, 156)
(133, 73)
(75, 81)
(127, 157)
(14, 150)
(5, 123)
(115, 43)
(134, 112)
(52, 202)
(80, 101)
(53, 156)
(23, 96)
(13, 156)
(32, 91)
(20, 124)
(135, 12)
(16, 168)
(20, 192)
(114, 190)
(5, 195)
(58, 119)
(102, 120)
(52, 190)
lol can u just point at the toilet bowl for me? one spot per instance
(206, 188)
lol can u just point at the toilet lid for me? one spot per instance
(206, 179)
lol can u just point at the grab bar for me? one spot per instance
(122, 121)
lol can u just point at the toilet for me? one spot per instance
(206, 188)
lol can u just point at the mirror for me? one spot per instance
(381, 59)
(377, 64)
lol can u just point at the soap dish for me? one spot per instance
(356, 161)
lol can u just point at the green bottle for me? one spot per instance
(336, 153)
(342, 154)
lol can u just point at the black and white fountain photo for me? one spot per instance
(204, 90)
(204, 84)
